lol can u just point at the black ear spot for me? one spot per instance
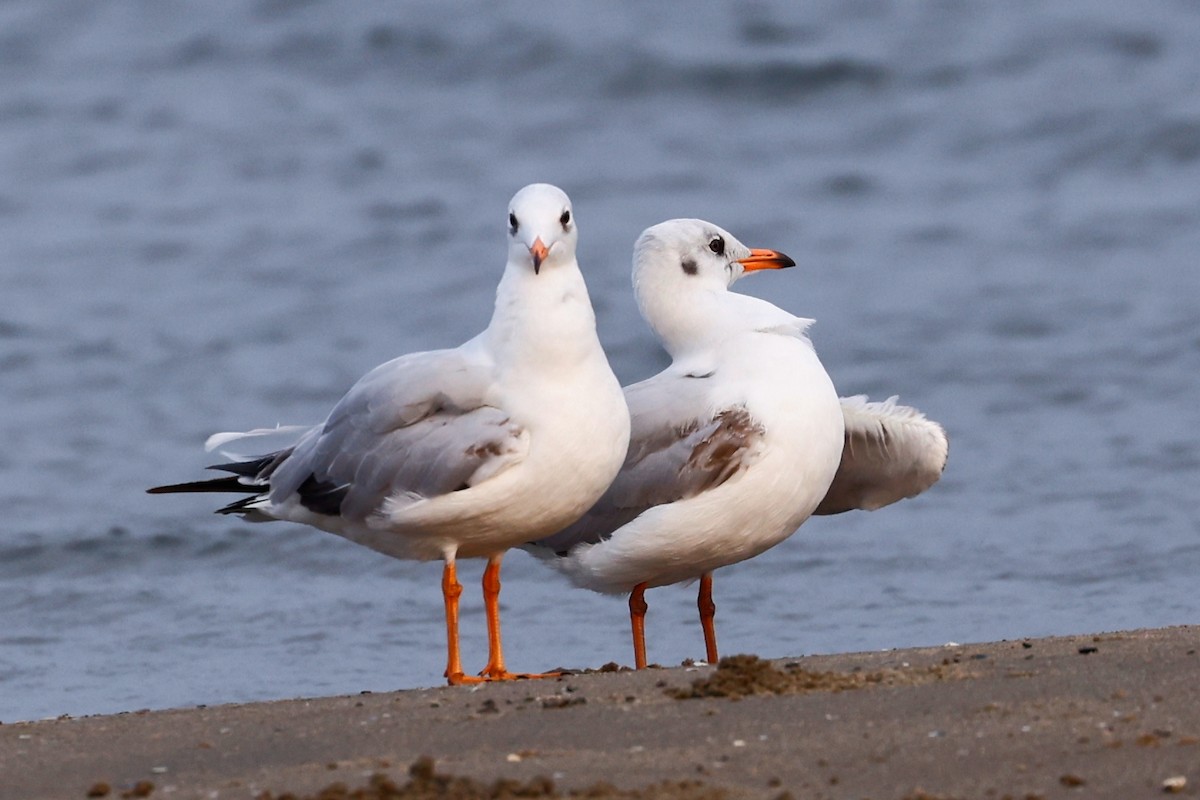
(689, 266)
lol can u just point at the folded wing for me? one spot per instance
(679, 447)
(414, 428)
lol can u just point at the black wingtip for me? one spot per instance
(258, 468)
(322, 497)
(240, 506)
(229, 484)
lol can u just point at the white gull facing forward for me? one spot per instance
(464, 452)
(738, 441)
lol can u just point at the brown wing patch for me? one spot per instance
(665, 465)
(485, 449)
(723, 452)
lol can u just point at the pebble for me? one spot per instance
(1174, 784)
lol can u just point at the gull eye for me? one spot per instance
(565, 219)
(512, 223)
(717, 245)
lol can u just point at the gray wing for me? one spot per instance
(415, 427)
(679, 447)
(891, 452)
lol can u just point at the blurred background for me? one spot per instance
(217, 216)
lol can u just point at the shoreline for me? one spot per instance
(1104, 715)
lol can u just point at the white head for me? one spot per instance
(541, 228)
(681, 267)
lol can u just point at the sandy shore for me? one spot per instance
(1111, 715)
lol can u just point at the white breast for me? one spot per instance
(784, 387)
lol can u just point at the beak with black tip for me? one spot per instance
(765, 259)
(539, 251)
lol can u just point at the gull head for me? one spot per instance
(541, 228)
(682, 271)
(685, 255)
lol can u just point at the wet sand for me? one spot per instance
(1110, 715)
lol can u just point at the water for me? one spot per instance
(217, 217)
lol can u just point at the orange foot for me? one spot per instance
(518, 676)
(459, 679)
(492, 676)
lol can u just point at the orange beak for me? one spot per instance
(539, 251)
(766, 259)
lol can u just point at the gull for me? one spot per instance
(737, 442)
(464, 452)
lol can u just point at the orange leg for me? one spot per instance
(451, 591)
(637, 617)
(491, 601)
(708, 610)
(495, 670)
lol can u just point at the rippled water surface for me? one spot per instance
(217, 216)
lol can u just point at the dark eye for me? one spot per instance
(512, 223)
(565, 219)
(717, 245)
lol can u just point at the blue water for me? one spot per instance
(217, 216)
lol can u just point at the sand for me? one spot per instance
(1110, 715)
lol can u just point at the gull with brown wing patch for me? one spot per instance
(737, 442)
(732, 446)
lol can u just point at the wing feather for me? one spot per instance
(413, 428)
(891, 452)
(679, 447)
